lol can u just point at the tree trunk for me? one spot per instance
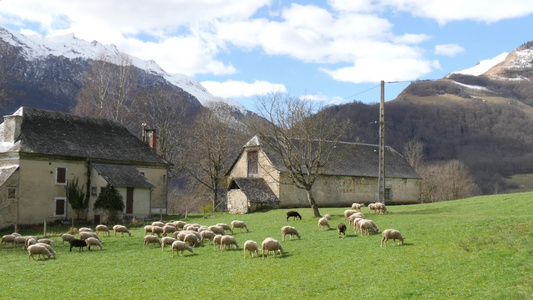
(312, 203)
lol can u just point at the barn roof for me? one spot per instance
(122, 175)
(255, 189)
(56, 133)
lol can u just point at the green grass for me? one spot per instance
(477, 248)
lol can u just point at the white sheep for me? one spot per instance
(217, 229)
(38, 249)
(157, 230)
(84, 229)
(372, 207)
(227, 241)
(207, 234)
(225, 227)
(356, 224)
(49, 248)
(151, 239)
(327, 216)
(252, 247)
(93, 242)
(381, 208)
(8, 239)
(271, 244)
(168, 229)
(46, 241)
(158, 223)
(348, 213)
(238, 224)
(202, 228)
(391, 234)
(179, 224)
(289, 230)
(167, 241)
(20, 240)
(179, 246)
(216, 240)
(181, 234)
(191, 239)
(102, 228)
(67, 237)
(367, 226)
(354, 216)
(357, 206)
(87, 234)
(323, 223)
(121, 229)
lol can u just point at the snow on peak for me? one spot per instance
(36, 47)
(483, 66)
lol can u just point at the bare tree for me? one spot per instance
(212, 142)
(414, 153)
(302, 138)
(449, 181)
(107, 89)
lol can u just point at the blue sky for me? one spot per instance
(332, 51)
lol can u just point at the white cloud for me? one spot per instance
(239, 89)
(448, 49)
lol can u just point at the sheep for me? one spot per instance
(8, 239)
(217, 229)
(271, 244)
(121, 229)
(202, 228)
(391, 234)
(168, 229)
(323, 223)
(151, 239)
(381, 208)
(227, 241)
(357, 206)
(167, 241)
(367, 226)
(293, 214)
(216, 240)
(19, 240)
(157, 230)
(372, 207)
(147, 229)
(49, 248)
(30, 240)
(66, 237)
(252, 247)
(179, 246)
(38, 249)
(225, 227)
(341, 228)
(83, 229)
(191, 239)
(102, 228)
(239, 224)
(77, 243)
(86, 234)
(158, 223)
(45, 241)
(354, 216)
(181, 234)
(289, 230)
(207, 234)
(327, 217)
(348, 213)
(93, 242)
(356, 224)
(179, 224)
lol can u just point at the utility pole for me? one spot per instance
(381, 179)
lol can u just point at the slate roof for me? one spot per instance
(56, 133)
(6, 172)
(256, 189)
(122, 175)
(357, 160)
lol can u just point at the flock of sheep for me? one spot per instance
(181, 236)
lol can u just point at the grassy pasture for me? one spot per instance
(476, 248)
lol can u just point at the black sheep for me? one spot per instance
(342, 229)
(293, 214)
(77, 243)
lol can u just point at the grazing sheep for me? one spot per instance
(239, 224)
(38, 249)
(167, 241)
(372, 207)
(179, 246)
(381, 208)
(121, 229)
(348, 213)
(225, 227)
(191, 239)
(148, 229)
(327, 217)
(271, 244)
(151, 239)
(367, 226)
(45, 241)
(168, 229)
(179, 224)
(289, 230)
(30, 240)
(157, 230)
(67, 237)
(86, 234)
(93, 242)
(84, 229)
(8, 239)
(391, 234)
(20, 240)
(354, 216)
(357, 206)
(356, 224)
(202, 228)
(293, 214)
(207, 234)
(252, 247)
(181, 234)
(49, 248)
(217, 229)
(323, 223)
(341, 228)
(227, 241)
(102, 228)
(216, 240)
(77, 243)
(158, 224)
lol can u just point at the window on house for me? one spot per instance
(94, 190)
(387, 194)
(253, 163)
(60, 207)
(61, 175)
(129, 200)
(11, 193)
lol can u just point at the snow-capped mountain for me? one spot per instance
(37, 48)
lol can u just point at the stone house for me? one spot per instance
(40, 151)
(258, 179)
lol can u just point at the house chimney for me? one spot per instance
(151, 137)
(12, 128)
